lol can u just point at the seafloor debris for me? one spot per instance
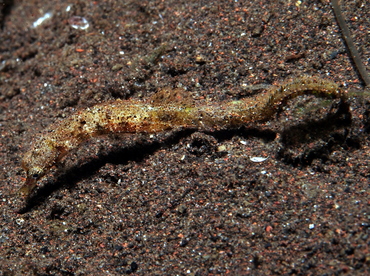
(41, 19)
(78, 22)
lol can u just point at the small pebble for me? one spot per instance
(78, 22)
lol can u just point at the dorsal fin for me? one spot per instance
(173, 96)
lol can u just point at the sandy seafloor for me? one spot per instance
(185, 202)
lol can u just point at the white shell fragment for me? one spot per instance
(41, 19)
(257, 159)
(78, 22)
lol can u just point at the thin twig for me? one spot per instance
(351, 47)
